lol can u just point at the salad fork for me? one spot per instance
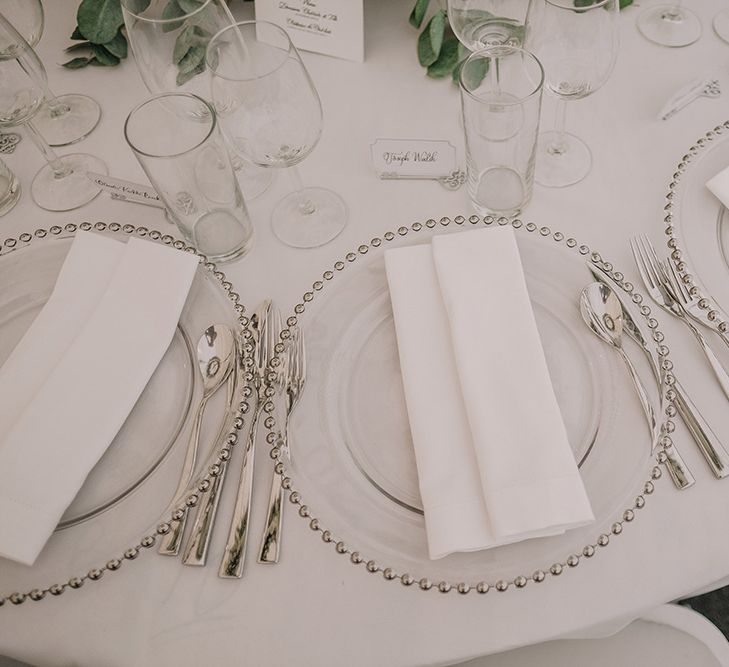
(664, 292)
(292, 387)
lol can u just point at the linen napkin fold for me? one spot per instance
(494, 463)
(719, 186)
(90, 382)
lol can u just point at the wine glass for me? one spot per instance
(271, 114)
(721, 24)
(62, 184)
(482, 23)
(577, 47)
(169, 49)
(63, 119)
(670, 25)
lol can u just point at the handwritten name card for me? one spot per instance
(413, 158)
(332, 27)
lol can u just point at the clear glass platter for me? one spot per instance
(352, 462)
(701, 223)
(133, 483)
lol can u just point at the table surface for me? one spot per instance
(315, 608)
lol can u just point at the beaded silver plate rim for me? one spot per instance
(213, 468)
(714, 315)
(519, 581)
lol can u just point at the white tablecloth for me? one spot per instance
(315, 608)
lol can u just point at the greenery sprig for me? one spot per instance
(439, 50)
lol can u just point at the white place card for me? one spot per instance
(413, 158)
(332, 27)
(126, 190)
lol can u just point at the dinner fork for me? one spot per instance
(233, 560)
(664, 292)
(292, 387)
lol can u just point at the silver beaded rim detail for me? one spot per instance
(572, 560)
(146, 541)
(714, 316)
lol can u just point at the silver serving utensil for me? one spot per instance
(293, 387)
(700, 430)
(215, 354)
(661, 289)
(266, 327)
(196, 553)
(601, 311)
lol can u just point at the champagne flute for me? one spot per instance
(63, 119)
(62, 184)
(670, 25)
(169, 49)
(577, 47)
(271, 114)
(482, 23)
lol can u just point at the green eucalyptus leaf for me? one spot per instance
(77, 63)
(76, 34)
(77, 47)
(625, 3)
(475, 73)
(104, 56)
(192, 36)
(118, 46)
(431, 39)
(184, 77)
(418, 13)
(172, 11)
(192, 59)
(99, 20)
(447, 59)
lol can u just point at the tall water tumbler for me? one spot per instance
(176, 139)
(501, 97)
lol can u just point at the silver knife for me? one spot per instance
(708, 443)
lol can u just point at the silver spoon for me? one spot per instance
(215, 358)
(603, 313)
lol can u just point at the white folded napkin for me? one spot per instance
(494, 462)
(78, 372)
(719, 186)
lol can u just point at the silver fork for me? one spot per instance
(665, 293)
(233, 560)
(295, 370)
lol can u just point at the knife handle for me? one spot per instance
(714, 452)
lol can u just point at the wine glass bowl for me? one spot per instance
(271, 115)
(577, 47)
(481, 23)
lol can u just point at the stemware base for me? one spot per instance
(721, 24)
(561, 163)
(9, 191)
(68, 192)
(68, 120)
(669, 25)
(309, 218)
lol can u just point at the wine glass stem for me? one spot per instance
(306, 206)
(56, 107)
(673, 13)
(60, 170)
(559, 145)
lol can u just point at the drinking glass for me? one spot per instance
(480, 23)
(670, 25)
(176, 139)
(62, 185)
(721, 24)
(577, 47)
(9, 189)
(271, 114)
(501, 97)
(169, 48)
(63, 119)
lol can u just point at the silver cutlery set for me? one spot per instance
(609, 316)
(220, 358)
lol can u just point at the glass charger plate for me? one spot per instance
(132, 484)
(352, 471)
(698, 224)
